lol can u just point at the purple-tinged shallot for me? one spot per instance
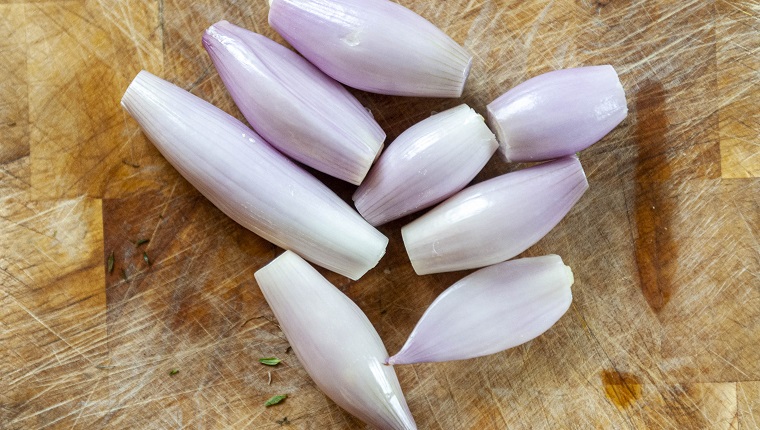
(250, 181)
(494, 220)
(293, 105)
(374, 45)
(335, 342)
(558, 113)
(427, 163)
(493, 309)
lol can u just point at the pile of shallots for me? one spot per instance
(299, 109)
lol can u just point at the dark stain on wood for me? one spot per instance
(622, 389)
(656, 250)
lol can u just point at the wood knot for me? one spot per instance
(623, 389)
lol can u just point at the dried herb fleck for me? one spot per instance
(110, 262)
(142, 242)
(124, 275)
(283, 421)
(173, 372)
(145, 258)
(275, 400)
(270, 361)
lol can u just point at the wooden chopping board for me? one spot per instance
(665, 324)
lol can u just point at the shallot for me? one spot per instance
(293, 105)
(335, 342)
(250, 181)
(493, 309)
(374, 45)
(558, 113)
(427, 163)
(494, 220)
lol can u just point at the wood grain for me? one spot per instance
(737, 57)
(748, 398)
(80, 57)
(665, 323)
(14, 108)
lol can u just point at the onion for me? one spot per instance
(558, 113)
(250, 181)
(335, 342)
(427, 163)
(293, 105)
(494, 220)
(373, 45)
(493, 309)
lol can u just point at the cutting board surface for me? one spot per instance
(664, 328)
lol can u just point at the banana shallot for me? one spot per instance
(490, 310)
(335, 342)
(293, 105)
(558, 113)
(427, 163)
(374, 45)
(250, 181)
(494, 220)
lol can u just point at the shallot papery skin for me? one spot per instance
(335, 342)
(494, 220)
(558, 113)
(427, 163)
(493, 309)
(293, 105)
(250, 181)
(374, 45)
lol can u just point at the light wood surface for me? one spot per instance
(665, 324)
